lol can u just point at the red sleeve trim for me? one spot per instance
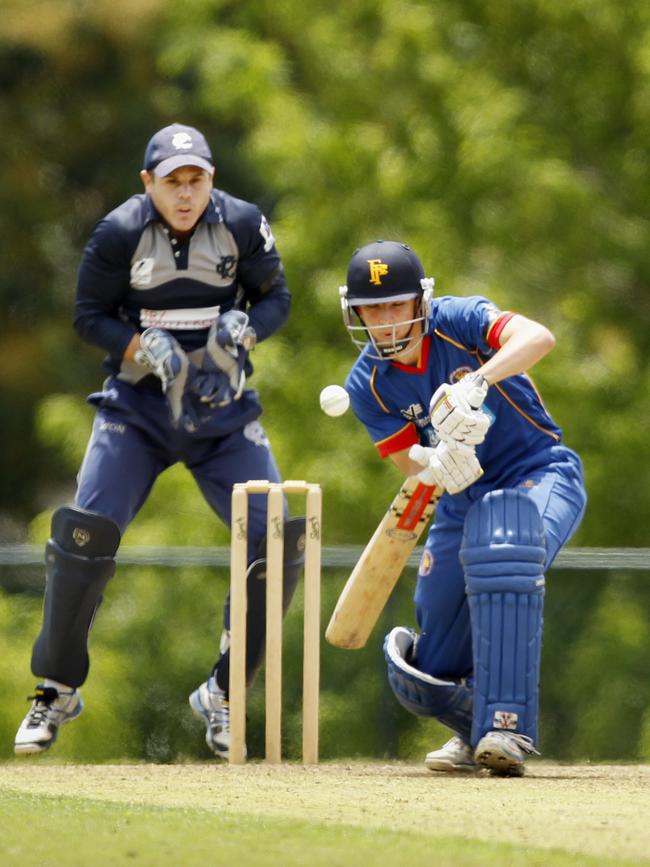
(403, 439)
(496, 329)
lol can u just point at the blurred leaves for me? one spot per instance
(507, 143)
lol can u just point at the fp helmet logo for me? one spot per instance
(378, 269)
(182, 141)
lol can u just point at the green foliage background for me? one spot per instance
(507, 143)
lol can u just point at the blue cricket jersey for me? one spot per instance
(392, 399)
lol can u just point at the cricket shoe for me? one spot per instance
(456, 756)
(209, 703)
(504, 753)
(50, 709)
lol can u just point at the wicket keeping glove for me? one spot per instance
(450, 465)
(222, 377)
(455, 413)
(164, 357)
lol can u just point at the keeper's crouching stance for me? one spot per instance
(440, 389)
(177, 284)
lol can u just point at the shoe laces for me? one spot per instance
(524, 743)
(42, 698)
(219, 715)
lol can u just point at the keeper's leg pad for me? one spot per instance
(422, 694)
(294, 557)
(503, 552)
(79, 560)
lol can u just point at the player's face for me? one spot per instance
(391, 323)
(180, 197)
(391, 326)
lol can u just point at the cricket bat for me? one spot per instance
(373, 578)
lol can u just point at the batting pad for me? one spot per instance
(422, 694)
(79, 560)
(503, 554)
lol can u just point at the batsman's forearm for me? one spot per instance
(524, 348)
(405, 464)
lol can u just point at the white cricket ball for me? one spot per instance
(334, 400)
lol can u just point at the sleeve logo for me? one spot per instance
(267, 234)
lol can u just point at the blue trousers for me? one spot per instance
(445, 645)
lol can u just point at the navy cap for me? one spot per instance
(175, 146)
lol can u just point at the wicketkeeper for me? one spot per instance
(177, 284)
(441, 387)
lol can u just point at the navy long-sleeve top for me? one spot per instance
(135, 273)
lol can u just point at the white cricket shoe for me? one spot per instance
(51, 708)
(504, 753)
(455, 756)
(209, 703)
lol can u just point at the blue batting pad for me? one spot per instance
(448, 701)
(503, 553)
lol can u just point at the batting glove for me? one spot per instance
(455, 413)
(450, 465)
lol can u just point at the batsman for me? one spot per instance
(177, 285)
(441, 386)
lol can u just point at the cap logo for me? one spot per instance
(378, 269)
(181, 141)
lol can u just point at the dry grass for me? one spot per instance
(589, 810)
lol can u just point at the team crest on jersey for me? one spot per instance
(227, 266)
(459, 373)
(267, 234)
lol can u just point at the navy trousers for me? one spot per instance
(132, 442)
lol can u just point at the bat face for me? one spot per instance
(382, 562)
(409, 509)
